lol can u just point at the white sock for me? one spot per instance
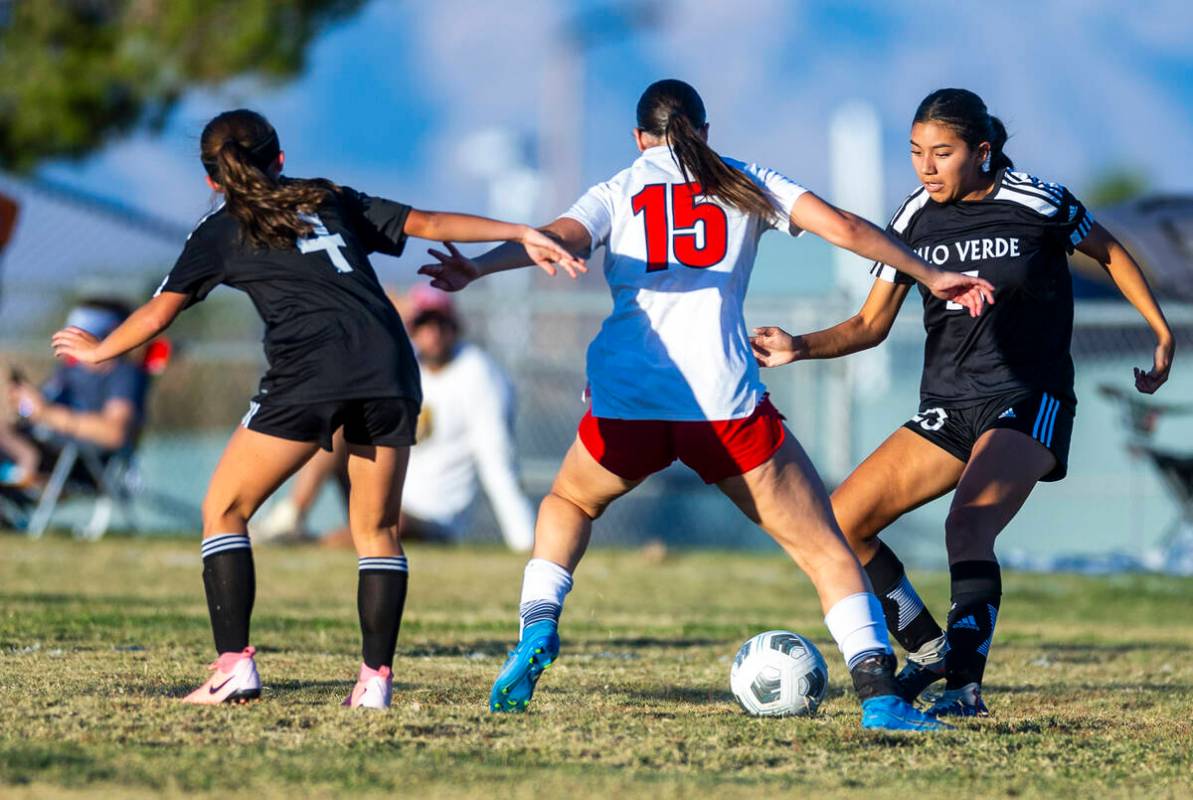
(544, 585)
(857, 624)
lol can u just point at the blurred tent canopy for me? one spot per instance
(74, 73)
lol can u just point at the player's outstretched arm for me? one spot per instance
(1101, 246)
(860, 236)
(539, 248)
(142, 325)
(774, 347)
(453, 271)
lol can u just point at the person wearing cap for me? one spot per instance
(100, 405)
(464, 441)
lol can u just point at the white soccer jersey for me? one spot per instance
(465, 432)
(678, 265)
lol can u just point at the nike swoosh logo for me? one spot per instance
(215, 689)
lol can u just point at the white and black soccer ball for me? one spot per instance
(779, 674)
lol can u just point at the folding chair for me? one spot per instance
(112, 477)
(1176, 469)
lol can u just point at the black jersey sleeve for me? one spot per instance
(379, 223)
(198, 270)
(900, 227)
(1064, 218)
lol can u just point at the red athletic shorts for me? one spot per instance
(716, 450)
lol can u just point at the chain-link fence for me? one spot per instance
(839, 410)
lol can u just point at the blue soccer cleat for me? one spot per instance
(538, 650)
(889, 712)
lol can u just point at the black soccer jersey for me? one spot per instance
(330, 331)
(1018, 237)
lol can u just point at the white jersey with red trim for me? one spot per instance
(678, 264)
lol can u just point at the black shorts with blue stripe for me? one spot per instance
(1040, 415)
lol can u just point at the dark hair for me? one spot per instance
(673, 110)
(966, 114)
(238, 149)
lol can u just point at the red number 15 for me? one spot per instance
(685, 213)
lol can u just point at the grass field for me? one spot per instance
(1090, 687)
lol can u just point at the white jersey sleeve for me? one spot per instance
(594, 210)
(490, 436)
(782, 191)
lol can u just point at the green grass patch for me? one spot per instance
(1090, 684)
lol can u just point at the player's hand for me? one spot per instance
(1149, 382)
(546, 253)
(75, 343)
(968, 291)
(454, 270)
(774, 347)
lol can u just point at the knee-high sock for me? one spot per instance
(380, 599)
(977, 594)
(908, 620)
(544, 586)
(231, 586)
(857, 626)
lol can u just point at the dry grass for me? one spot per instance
(1091, 685)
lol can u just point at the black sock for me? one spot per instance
(874, 676)
(380, 598)
(908, 620)
(977, 592)
(231, 586)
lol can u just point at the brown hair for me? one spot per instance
(673, 110)
(965, 113)
(239, 149)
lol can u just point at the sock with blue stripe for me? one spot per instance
(380, 599)
(907, 618)
(544, 586)
(231, 586)
(977, 594)
(857, 625)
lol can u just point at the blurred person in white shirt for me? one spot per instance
(465, 440)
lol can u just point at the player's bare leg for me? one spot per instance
(786, 498)
(252, 467)
(905, 472)
(582, 490)
(1003, 470)
(285, 520)
(376, 475)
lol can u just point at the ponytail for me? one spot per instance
(239, 149)
(672, 110)
(998, 138)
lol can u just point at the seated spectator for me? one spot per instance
(102, 406)
(465, 440)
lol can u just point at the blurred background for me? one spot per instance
(513, 109)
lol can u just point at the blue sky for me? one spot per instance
(392, 95)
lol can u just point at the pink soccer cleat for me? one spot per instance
(373, 688)
(234, 679)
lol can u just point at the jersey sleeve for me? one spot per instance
(900, 227)
(1075, 221)
(594, 210)
(198, 270)
(782, 191)
(380, 224)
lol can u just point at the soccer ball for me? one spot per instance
(779, 674)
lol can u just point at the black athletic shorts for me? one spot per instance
(384, 421)
(1039, 415)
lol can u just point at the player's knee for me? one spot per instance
(966, 534)
(561, 493)
(218, 510)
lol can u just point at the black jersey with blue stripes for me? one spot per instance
(1018, 237)
(330, 331)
